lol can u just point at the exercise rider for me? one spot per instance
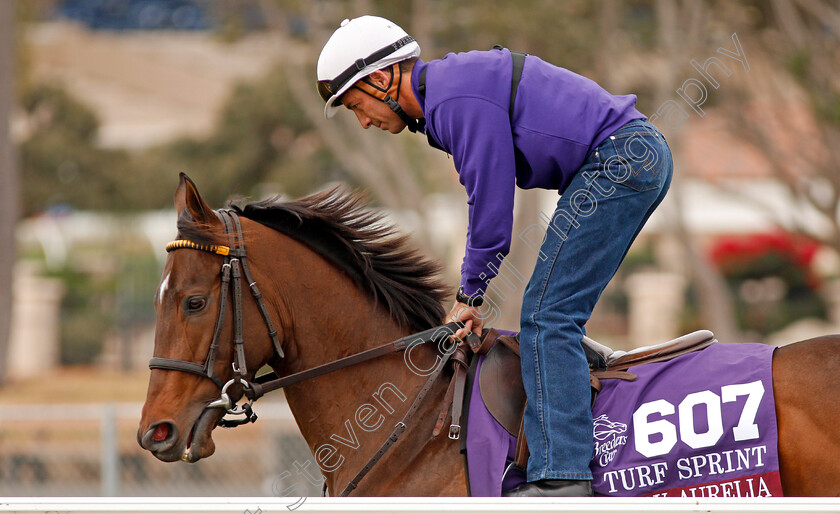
(557, 131)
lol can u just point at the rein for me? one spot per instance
(270, 382)
(234, 268)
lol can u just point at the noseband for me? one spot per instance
(234, 267)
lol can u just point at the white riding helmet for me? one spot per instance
(358, 48)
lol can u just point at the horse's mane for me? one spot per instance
(339, 226)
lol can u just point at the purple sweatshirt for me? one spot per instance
(559, 117)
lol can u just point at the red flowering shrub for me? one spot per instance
(771, 278)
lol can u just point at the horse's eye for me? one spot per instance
(195, 303)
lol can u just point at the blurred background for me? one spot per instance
(103, 102)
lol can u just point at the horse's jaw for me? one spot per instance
(199, 442)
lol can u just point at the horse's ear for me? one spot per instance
(187, 197)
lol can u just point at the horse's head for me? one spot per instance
(197, 309)
(354, 282)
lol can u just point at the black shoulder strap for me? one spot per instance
(518, 59)
(421, 88)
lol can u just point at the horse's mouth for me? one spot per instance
(199, 442)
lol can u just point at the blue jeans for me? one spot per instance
(597, 218)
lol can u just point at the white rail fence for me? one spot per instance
(417, 505)
(55, 458)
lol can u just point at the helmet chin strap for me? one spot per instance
(385, 95)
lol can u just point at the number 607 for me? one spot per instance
(645, 429)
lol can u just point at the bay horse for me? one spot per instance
(337, 281)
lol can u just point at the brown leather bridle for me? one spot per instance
(234, 268)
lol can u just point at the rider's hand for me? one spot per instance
(472, 317)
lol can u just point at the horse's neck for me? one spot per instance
(324, 315)
(346, 415)
(343, 322)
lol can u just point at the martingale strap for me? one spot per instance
(398, 429)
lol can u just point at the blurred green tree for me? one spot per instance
(87, 315)
(61, 164)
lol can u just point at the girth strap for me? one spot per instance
(459, 378)
(447, 401)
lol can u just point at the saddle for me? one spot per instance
(500, 377)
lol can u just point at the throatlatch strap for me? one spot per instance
(255, 292)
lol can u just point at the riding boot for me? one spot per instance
(544, 488)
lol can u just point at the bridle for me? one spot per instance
(234, 268)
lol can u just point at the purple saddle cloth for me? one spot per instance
(702, 424)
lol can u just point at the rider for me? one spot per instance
(562, 132)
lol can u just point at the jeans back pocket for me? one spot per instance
(636, 157)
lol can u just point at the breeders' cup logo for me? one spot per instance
(608, 438)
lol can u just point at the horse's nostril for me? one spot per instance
(160, 436)
(161, 432)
